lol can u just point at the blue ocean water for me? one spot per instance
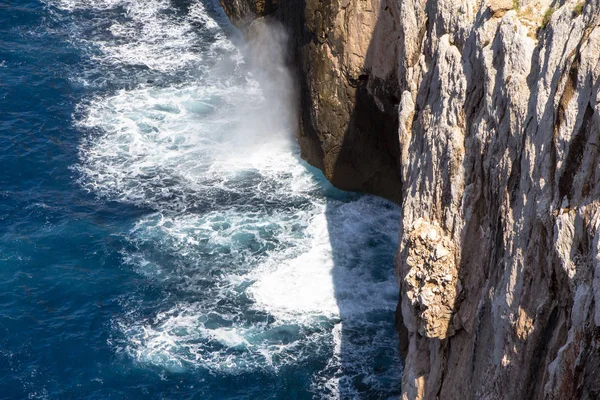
(159, 235)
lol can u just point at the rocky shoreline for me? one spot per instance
(482, 121)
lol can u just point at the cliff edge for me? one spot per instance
(482, 120)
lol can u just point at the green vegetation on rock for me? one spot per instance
(547, 15)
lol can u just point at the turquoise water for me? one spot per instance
(159, 235)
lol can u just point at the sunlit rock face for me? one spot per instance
(344, 56)
(482, 120)
(430, 282)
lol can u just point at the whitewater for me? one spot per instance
(250, 275)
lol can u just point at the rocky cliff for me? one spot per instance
(348, 86)
(482, 120)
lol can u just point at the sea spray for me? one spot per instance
(253, 265)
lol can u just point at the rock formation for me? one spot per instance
(483, 121)
(348, 86)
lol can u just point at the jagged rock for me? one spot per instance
(490, 114)
(431, 281)
(242, 12)
(500, 7)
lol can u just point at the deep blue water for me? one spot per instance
(159, 236)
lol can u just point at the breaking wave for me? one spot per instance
(255, 262)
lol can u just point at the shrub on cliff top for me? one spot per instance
(547, 16)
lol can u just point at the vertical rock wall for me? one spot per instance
(483, 120)
(348, 86)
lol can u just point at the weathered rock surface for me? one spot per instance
(348, 86)
(431, 283)
(483, 120)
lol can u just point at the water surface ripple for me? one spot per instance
(159, 235)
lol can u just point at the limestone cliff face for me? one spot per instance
(483, 120)
(348, 85)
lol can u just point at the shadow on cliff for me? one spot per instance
(543, 294)
(363, 229)
(364, 237)
(356, 145)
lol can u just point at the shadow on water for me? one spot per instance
(364, 238)
(363, 232)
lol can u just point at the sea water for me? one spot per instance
(160, 236)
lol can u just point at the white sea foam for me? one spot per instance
(260, 268)
(181, 339)
(148, 35)
(313, 300)
(331, 275)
